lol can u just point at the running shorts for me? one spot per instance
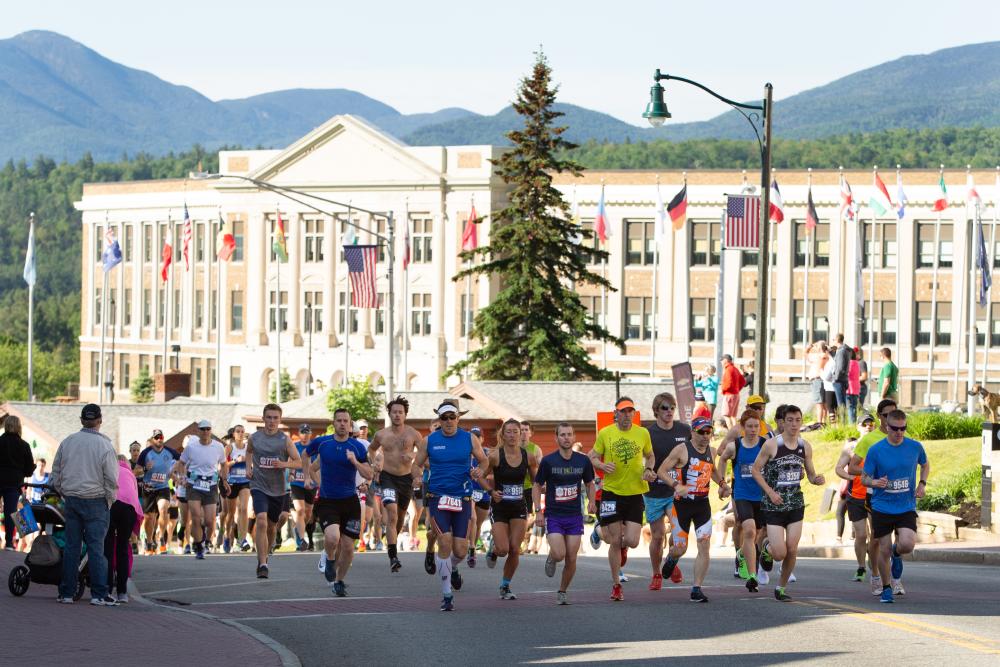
(686, 513)
(564, 525)
(884, 524)
(234, 489)
(856, 510)
(397, 489)
(657, 508)
(481, 499)
(455, 521)
(616, 509)
(150, 497)
(302, 493)
(505, 512)
(784, 518)
(749, 509)
(273, 506)
(343, 512)
(210, 497)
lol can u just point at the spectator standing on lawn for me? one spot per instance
(731, 386)
(888, 378)
(708, 382)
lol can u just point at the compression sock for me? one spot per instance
(444, 571)
(670, 565)
(455, 560)
(391, 549)
(504, 581)
(310, 529)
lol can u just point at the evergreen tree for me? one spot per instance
(142, 387)
(288, 390)
(534, 328)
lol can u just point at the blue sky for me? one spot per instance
(423, 56)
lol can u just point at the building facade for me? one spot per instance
(915, 275)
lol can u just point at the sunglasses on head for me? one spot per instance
(448, 416)
(897, 429)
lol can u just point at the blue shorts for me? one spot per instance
(657, 508)
(446, 521)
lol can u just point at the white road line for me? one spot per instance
(351, 613)
(373, 597)
(198, 588)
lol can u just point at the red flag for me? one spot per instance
(225, 241)
(846, 199)
(168, 252)
(677, 208)
(187, 236)
(776, 209)
(470, 239)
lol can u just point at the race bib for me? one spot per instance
(898, 485)
(299, 476)
(202, 484)
(746, 470)
(567, 494)
(389, 495)
(268, 461)
(450, 504)
(789, 477)
(158, 478)
(238, 470)
(478, 495)
(609, 508)
(513, 492)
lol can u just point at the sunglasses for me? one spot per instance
(448, 416)
(205, 428)
(897, 429)
(704, 431)
(666, 407)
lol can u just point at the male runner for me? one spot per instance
(271, 453)
(694, 462)
(778, 472)
(338, 459)
(562, 473)
(856, 511)
(627, 463)
(204, 463)
(156, 461)
(890, 471)
(665, 433)
(397, 445)
(861, 495)
(448, 452)
(303, 494)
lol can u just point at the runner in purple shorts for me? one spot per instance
(563, 473)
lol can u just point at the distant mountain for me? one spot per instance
(61, 99)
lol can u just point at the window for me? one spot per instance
(125, 372)
(380, 315)
(278, 308)
(423, 231)
(994, 325)
(880, 325)
(199, 309)
(238, 236)
(465, 316)
(880, 245)
(799, 321)
(420, 315)
(380, 228)
(638, 318)
(313, 313)
(196, 371)
(926, 319)
(814, 244)
(112, 306)
(95, 369)
(147, 243)
(147, 307)
(702, 324)
(158, 363)
(939, 392)
(210, 367)
(809, 320)
(236, 310)
(98, 242)
(820, 321)
(588, 245)
(129, 233)
(144, 363)
(127, 307)
(213, 310)
(98, 303)
(234, 380)
(926, 250)
(748, 319)
(177, 308)
(706, 243)
(199, 242)
(640, 242)
(178, 241)
(594, 306)
(342, 300)
(161, 307)
(314, 240)
(348, 231)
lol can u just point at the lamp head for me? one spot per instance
(656, 111)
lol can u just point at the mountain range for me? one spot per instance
(61, 99)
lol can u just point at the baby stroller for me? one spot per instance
(43, 564)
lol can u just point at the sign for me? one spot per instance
(608, 418)
(684, 390)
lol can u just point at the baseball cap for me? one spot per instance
(305, 428)
(699, 395)
(204, 423)
(90, 411)
(624, 404)
(476, 430)
(699, 423)
(865, 418)
(756, 399)
(361, 423)
(157, 433)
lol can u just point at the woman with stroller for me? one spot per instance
(16, 463)
(126, 517)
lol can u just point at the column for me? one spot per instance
(329, 288)
(295, 283)
(257, 260)
(441, 232)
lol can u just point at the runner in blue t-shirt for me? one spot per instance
(337, 459)
(303, 493)
(890, 470)
(156, 461)
(563, 473)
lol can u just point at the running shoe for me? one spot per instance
(550, 566)
(199, 554)
(697, 595)
(300, 547)
(362, 548)
(430, 567)
(859, 575)
(262, 571)
(763, 578)
(897, 587)
(897, 564)
(227, 546)
(562, 598)
(780, 595)
(876, 585)
(395, 565)
(752, 584)
(624, 556)
(339, 589)
(321, 565)
(245, 547)
(676, 576)
(656, 583)
(766, 562)
(330, 574)
(491, 560)
(622, 579)
(106, 601)
(447, 603)
(378, 545)
(471, 560)
(456, 580)
(163, 548)
(123, 598)
(62, 600)
(741, 566)
(595, 539)
(616, 593)
(886, 596)
(506, 593)
(187, 549)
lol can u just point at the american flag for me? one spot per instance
(187, 237)
(361, 269)
(743, 221)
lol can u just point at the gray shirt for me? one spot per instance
(86, 466)
(266, 450)
(842, 362)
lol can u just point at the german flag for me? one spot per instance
(677, 208)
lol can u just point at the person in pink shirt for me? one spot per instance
(853, 386)
(126, 517)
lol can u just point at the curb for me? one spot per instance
(970, 557)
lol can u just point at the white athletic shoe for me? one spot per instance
(762, 576)
(321, 565)
(791, 578)
(897, 587)
(876, 584)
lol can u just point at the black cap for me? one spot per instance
(305, 428)
(90, 411)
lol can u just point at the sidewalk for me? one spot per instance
(87, 635)
(971, 553)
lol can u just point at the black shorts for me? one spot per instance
(529, 501)
(857, 510)
(885, 524)
(302, 493)
(749, 509)
(784, 518)
(150, 497)
(481, 499)
(235, 488)
(173, 512)
(343, 512)
(396, 489)
(830, 400)
(617, 509)
(688, 512)
(504, 512)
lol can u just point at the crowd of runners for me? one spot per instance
(247, 491)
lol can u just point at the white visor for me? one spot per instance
(447, 408)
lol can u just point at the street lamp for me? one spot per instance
(388, 239)
(657, 114)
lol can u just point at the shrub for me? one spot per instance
(941, 426)
(949, 492)
(838, 433)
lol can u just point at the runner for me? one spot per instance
(396, 445)
(890, 471)
(860, 494)
(665, 433)
(203, 462)
(481, 505)
(448, 453)
(778, 472)
(628, 467)
(694, 463)
(508, 463)
(371, 526)
(156, 462)
(234, 505)
(534, 452)
(303, 495)
(856, 512)
(271, 452)
(562, 473)
(746, 495)
(337, 460)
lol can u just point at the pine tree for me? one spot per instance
(142, 387)
(533, 329)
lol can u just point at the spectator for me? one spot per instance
(16, 463)
(126, 517)
(731, 386)
(85, 473)
(41, 476)
(853, 387)
(708, 382)
(701, 408)
(888, 378)
(816, 355)
(829, 393)
(863, 377)
(841, 368)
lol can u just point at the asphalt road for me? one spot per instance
(949, 613)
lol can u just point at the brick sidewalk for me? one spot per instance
(81, 634)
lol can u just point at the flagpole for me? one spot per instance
(277, 305)
(104, 318)
(657, 221)
(871, 294)
(805, 286)
(166, 290)
(604, 289)
(992, 258)
(406, 299)
(973, 247)
(218, 315)
(771, 241)
(467, 314)
(31, 310)
(934, 292)
(347, 305)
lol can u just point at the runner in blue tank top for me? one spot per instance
(448, 454)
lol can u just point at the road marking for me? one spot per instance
(198, 588)
(373, 597)
(352, 613)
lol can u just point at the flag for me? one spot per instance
(406, 241)
(776, 211)
(470, 239)
(972, 197)
(660, 227)
(677, 208)
(361, 270)
(278, 245)
(982, 263)
(742, 222)
(601, 227)
(941, 203)
(112, 255)
(225, 241)
(847, 210)
(901, 200)
(859, 283)
(186, 239)
(879, 200)
(29, 258)
(812, 219)
(167, 256)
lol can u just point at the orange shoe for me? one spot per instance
(361, 547)
(616, 593)
(656, 583)
(676, 575)
(163, 548)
